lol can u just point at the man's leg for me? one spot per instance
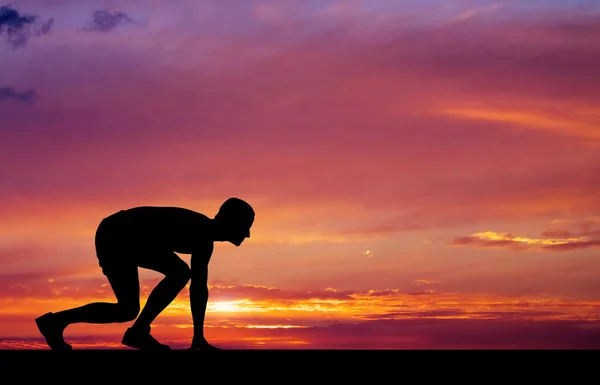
(177, 275)
(125, 284)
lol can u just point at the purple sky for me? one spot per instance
(440, 147)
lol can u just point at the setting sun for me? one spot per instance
(225, 307)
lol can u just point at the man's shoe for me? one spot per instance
(52, 332)
(142, 340)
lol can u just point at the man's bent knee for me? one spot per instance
(127, 312)
(181, 272)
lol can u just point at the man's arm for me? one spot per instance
(199, 290)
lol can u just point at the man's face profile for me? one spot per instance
(240, 230)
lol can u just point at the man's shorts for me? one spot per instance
(122, 247)
(114, 246)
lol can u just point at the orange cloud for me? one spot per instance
(551, 240)
(243, 301)
(580, 125)
(250, 316)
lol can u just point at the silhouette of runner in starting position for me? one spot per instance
(148, 237)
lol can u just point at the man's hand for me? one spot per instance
(202, 344)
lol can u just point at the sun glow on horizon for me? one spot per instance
(226, 306)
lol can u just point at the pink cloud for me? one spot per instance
(274, 120)
(421, 334)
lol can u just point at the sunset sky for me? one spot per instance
(425, 173)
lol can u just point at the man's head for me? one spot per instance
(234, 220)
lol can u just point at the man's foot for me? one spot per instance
(52, 332)
(138, 338)
(205, 348)
(203, 345)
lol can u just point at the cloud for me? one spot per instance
(453, 334)
(81, 342)
(18, 28)
(367, 334)
(209, 115)
(478, 11)
(550, 240)
(570, 234)
(249, 316)
(579, 125)
(105, 21)
(25, 292)
(9, 93)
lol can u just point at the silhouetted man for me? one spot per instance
(148, 237)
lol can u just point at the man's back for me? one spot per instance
(173, 228)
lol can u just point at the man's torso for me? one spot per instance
(166, 228)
